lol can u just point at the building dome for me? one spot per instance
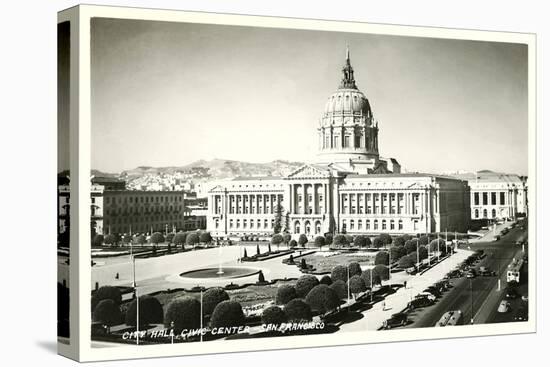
(348, 101)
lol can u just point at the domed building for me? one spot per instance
(348, 189)
(348, 132)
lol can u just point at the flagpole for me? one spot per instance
(201, 317)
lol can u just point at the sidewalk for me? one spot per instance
(489, 236)
(374, 317)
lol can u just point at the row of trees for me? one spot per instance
(179, 239)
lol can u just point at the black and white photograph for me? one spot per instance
(264, 183)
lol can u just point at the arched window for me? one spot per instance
(351, 225)
(317, 227)
(296, 227)
(493, 213)
(392, 225)
(344, 226)
(400, 224)
(476, 213)
(308, 227)
(375, 224)
(484, 213)
(217, 223)
(359, 224)
(367, 225)
(383, 224)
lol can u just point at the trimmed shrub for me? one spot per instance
(386, 239)
(273, 315)
(227, 314)
(340, 240)
(349, 238)
(297, 311)
(319, 241)
(377, 242)
(406, 262)
(293, 243)
(192, 239)
(360, 241)
(212, 297)
(434, 244)
(179, 239)
(397, 252)
(157, 238)
(285, 294)
(205, 237)
(357, 284)
(287, 237)
(339, 286)
(410, 245)
(111, 239)
(422, 253)
(424, 240)
(184, 312)
(141, 240)
(354, 269)
(339, 272)
(406, 237)
(366, 275)
(399, 241)
(325, 280)
(107, 312)
(329, 238)
(302, 240)
(97, 240)
(382, 257)
(322, 298)
(382, 271)
(150, 312)
(277, 239)
(106, 292)
(304, 284)
(170, 237)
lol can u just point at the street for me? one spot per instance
(479, 296)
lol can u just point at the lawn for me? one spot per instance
(324, 261)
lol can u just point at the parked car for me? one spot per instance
(504, 306)
(433, 290)
(486, 272)
(453, 274)
(471, 273)
(428, 295)
(420, 302)
(397, 319)
(512, 293)
(522, 314)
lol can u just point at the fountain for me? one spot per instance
(220, 269)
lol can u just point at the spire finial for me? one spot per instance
(348, 80)
(347, 52)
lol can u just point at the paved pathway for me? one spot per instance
(374, 317)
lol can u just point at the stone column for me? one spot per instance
(304, 198)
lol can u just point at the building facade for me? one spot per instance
(349, 189)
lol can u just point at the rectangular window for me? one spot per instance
(346, 141)
(502, 198)
(485, 198)
(493, 198)
(336, 142)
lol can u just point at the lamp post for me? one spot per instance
(172, 331)
(137, 316)
(472, 301)
(348, 286)
(201, 317)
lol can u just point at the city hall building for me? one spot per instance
(349, 188)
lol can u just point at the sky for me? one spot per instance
(168, 94)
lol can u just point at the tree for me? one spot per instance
(406, 262)
(227, 314)
(410, 245)
(382, 257)
(328, 239)
(304, 284)
(273, 315)
(360, 241)
(170, 237)
(366, 275)
(303, 264)
(184, 312)
(325, 280)
(150, 312)
(277, 239)
(179, 239)
(285, 294)
(349, 239)
(340, 240)
(397, 252)
(302, 240)
(157, 238)
(339, 272)
(107, 312)
(192, 239)
(258, 250)
(399, 241)
(377, 242)
(354, 269)
(106, 292)
(287, 223)
(319, 241)
(97, 240)
(141, 240)
(111, 240)
(422, 253)
(205, 237)
(322, 298)
(293, 243)
(277, 225)
(212, 297)
(382, 271)
(437, 243)
(261, 277)
(406, 237)
(340, 288)
(386, 239)
(297, 311)
(357, 285)
(286, 238)
(245, 254)
(423, 240)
